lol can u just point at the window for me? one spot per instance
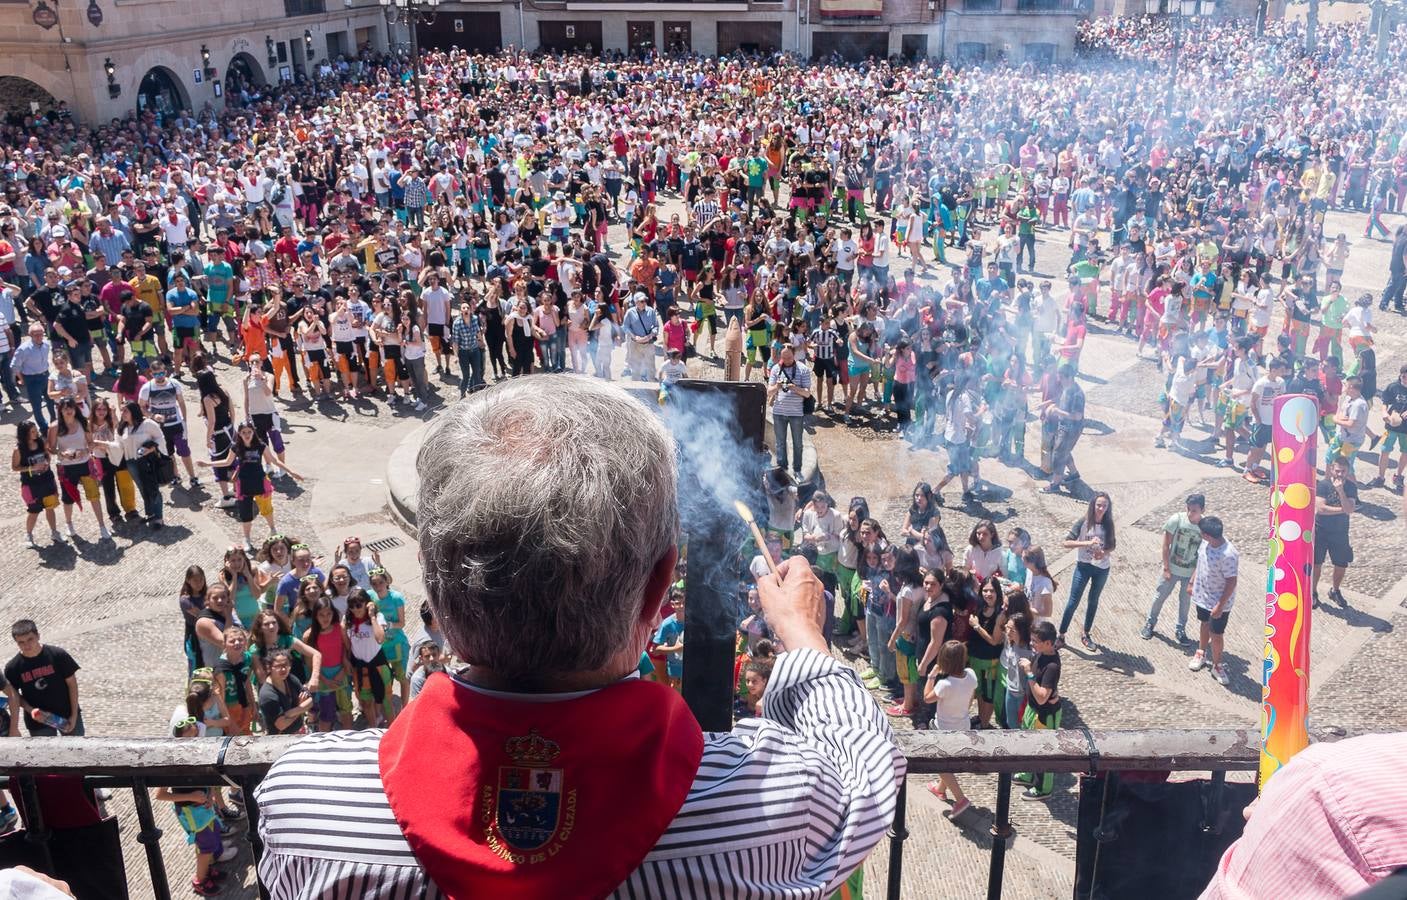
(971, 52)
(304, 7)
(1039, 54)
(982, 6)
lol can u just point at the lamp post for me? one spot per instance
(412, 13)
(1172, 73)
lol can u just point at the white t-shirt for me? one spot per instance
(845, 253)
(365, 646)
(954, 699)
(1264, 392)
(437, 302)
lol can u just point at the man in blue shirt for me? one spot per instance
(31, 365)
(183, 304)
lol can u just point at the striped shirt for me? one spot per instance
(1331, 823)
(824, 340)
(705, 211)
(787, 805)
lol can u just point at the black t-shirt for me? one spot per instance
(977, 646)
(1045, 671)
(1334, 523)
(42, 680)
(1395, 397)
(923, 626)
(274, 703)
(74, 321)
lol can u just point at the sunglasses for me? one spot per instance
(185, 723)
(299, 547)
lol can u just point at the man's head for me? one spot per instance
(547, 530)
(1211, 530)
(1196, 503)
(26, 635)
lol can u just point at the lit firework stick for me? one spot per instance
(1285, 683)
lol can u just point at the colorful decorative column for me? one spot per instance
(1285, 682)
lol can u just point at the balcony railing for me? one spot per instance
(138, 764)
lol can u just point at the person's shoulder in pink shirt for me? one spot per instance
(1329, 824)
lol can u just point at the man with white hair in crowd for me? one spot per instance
(547, 768)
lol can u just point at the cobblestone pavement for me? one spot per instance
(114, 606)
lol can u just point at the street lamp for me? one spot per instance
(1172, 74)
(412, 13)
(114, 89)
(269, 48)
(308, 44)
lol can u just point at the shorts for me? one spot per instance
(859, 368)
(825, 368)
(218, 310)
(82, 355)
(330, 703)
(1260, 436)
(905, 663)
(1342, 449)
(184, 333)
(1334, 545)
(1218, 624)
(435, 330)
(39, 504)
(988, 672)
(1394, 439)
(264, 503)
(959, 459)
(208, 840)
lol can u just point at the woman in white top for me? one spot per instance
(821, 527)
(1093, 536)
(984, 554)
(1040, 586)
(951, 685)
(605, 328)
(577, 318)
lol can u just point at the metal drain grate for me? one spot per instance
(385, 544)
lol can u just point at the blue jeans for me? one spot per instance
(1086, 574)
(36, 387)
(877, 632)
(557, 350)
(471, 369)
(9, 380)
(781, 426)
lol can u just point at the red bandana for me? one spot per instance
(502, 798)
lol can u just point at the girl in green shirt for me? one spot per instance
(1332, 310)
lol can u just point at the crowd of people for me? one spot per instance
(330, 239)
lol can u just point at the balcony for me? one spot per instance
(139, 764)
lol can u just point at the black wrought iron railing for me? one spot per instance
(141, 764)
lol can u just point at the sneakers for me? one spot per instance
(72, 532)
(1159, 442)
(1224, 463)
(1181, 637)
(56, 537)
(207, 888)
(898, 710)
(1197, 662)
(1375, 483)
(228, 854)
(959, 808)
(1219, 673)
(29, 541)
(420, 406)
(132, 515)
(195, 482)
(1337, 596)
(104, 534)
(1032, 794)
(1147, 632)
(1088, 642)
(227, 502)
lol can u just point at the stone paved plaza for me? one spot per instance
(114, 606)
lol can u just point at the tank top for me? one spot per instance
(329, 644)
(250, 470)
(32, 458)
(77, 442)
(977, 646)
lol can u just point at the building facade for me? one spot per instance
(161, 54)
(1017, 30)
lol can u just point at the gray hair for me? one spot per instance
(544, 505)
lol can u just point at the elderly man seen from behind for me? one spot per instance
(546, 769)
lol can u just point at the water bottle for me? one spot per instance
(56, 722)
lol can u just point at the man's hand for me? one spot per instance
(793, 604)
(1217, 610)
(1167, 574)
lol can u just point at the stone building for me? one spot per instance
(167, 53)
(1018, 30)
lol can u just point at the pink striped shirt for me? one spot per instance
(1329, 824)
